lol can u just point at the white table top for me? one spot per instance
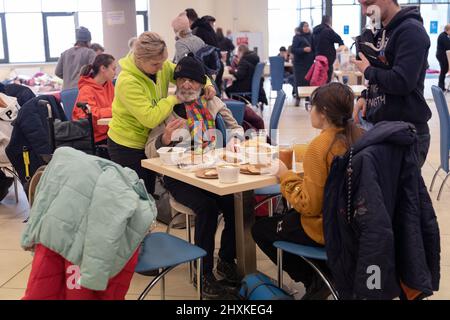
(246, 182)
(305, 92)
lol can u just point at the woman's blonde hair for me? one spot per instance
(148, 46)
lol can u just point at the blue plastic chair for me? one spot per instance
(444, 121)
(306, 253)
(237, 108)
(256, 81)
(163, 252)
(272, 192)
(276, 74)
(68, 98)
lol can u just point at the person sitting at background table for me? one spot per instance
(332, 107)
(184, 121)
(141, 102)
(97, 90)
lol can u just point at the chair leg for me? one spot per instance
(163, 288)
(442, 186)
(434, 178)
(169, 226)
(280, 267)
(16, 192)
(270, 208)
(154, 282)
(324, 278)
(199, 278)
(189, 239)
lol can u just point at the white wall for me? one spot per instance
(248, 15)
(117, 33)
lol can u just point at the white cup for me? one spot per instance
(228, 173)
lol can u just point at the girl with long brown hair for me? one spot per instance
(332, 107)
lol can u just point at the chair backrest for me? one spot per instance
(276, 112)
(444, 120)
(276, 72)
(256, 82)
(237, 108)
(68, 98)
(220, 125)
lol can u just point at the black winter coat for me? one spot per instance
(302, 60)
(324, 40)
(202, 29)
(31, 130)
(390, 224)
(22, 93)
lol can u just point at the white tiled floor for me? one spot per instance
(15, 264)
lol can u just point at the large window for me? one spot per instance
(347, 28)
(40, 30)
(141, 16)
(283, 19)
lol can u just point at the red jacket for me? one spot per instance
(53, 278)
(318, 73)
(100, 98)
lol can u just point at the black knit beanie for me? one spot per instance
(191, 68)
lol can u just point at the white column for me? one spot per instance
(119, 25)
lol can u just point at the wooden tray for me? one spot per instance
(201, 174)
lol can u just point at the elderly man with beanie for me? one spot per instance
(186, 41)
(184, 122)
(71, 60)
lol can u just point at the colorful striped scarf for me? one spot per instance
(200, 120)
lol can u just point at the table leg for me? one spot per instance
(244, 219)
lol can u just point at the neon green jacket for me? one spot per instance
(139, 104)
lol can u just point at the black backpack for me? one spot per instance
(210, 58)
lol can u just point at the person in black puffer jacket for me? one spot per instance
(22, 93)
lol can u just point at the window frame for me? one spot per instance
(5, 39)
(45, 15)
(145, 15)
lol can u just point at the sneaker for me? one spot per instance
(228, 272)
(211, 288)
(318, 290)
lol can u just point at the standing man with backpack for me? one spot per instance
(324, 39)
(394, 61)
(203, 28)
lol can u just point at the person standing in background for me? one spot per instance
(73, 59)
(302, 49)
(443, 44)
(186, 41)
(324, 39)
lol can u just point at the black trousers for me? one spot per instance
(286, 227)
(131, 158)
(443, 63)
(207, 207)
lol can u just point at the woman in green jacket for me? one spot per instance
(141, 102)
